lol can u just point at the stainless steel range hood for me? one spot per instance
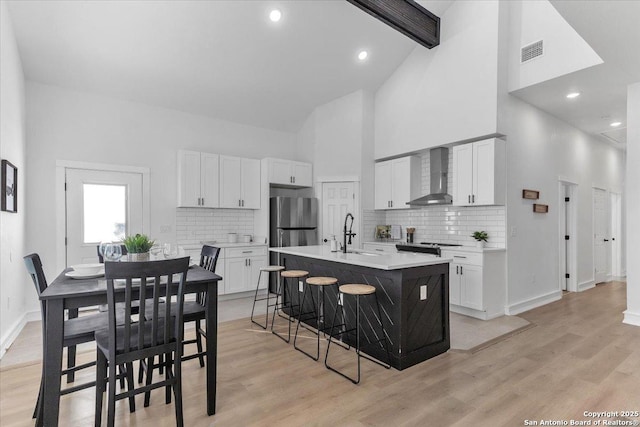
(439, 169)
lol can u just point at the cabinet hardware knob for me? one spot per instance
(460, 269)
(473, 198)
(469, 199)
(457, 269)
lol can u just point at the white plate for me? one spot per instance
(85, 266)
(83, 275)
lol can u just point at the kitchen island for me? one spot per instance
(412, 289)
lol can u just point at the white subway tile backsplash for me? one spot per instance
(194, 225)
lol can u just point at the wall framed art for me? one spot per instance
(530, 194)
(9, 187)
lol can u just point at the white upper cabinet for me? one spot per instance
(239, 183)
(397, 182)
(479, 173)
(198, 179)
(290, 173)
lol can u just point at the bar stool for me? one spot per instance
(282, 292)
(356, 290)
(318, 310)
(268, 269)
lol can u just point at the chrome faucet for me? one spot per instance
(349, 233)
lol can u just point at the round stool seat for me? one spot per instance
(271, 268)
(293, 274)
(322, 281)
(357, 289)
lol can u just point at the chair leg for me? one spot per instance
(177, 391)
(147, 394)
(199, 343)
(101, 375)
(255, 298)
(111, 403)
(141, 368)
(71, 362)
(38, 410)
(132, 399)
(167, 375)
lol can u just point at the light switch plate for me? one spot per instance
(423, 292)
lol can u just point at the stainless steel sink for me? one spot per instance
(359, 252)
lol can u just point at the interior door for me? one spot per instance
(601, 258)
(616, 235)
(100, 206)
(338, 199)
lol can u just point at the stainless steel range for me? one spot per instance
(424, 247)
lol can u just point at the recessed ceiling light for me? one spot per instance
(362, 55)
(275, 15)
(573, 95)
(615, 124)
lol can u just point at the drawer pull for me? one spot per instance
(380, 250)
(459, 256)
(247, 252)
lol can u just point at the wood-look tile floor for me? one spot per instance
(579, 357)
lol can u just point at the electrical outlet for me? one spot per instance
(300, 286)
(514, 231)
(165, 229)
(423, 292)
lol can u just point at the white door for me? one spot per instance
(250, 183)
(601, 257)
(230, 185)
(209, 180)
(189, 178)
(471, 287)
(338, 199)
(400, 183)
(382, 185)
(483, 172)
(463, 174)
(302, 174)
(280, 171)
(100, 206)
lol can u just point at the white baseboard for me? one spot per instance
(586, 285)
(522, 306)
(12, 334)
(631, 318)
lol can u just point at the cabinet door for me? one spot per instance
(382, 197)
(280, 171)
(483, 172)
(471, 286)
(400, 183)
(302, 174)
(236, 275)
(454, 283)
(462, 174)
(230, 183)
(220, 272)
(188, 178)
(255, 264)
(209, 180)
(250, 179)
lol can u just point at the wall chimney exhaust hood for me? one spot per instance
(439, 168)
(406, 16)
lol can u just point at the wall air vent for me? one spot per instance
(406, 16)
(530, 51)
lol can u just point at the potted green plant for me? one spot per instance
(138, 247)
(481, 237)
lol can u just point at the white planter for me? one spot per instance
(480, 244)
(144, 256)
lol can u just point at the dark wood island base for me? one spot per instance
(417, 329)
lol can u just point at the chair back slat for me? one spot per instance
(150, 281)
(34, 268)
(208, 261)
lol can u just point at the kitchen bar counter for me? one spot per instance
(412, 289)
(382, 261)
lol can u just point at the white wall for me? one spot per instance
(540, 149)
(632, 315)
(69, 125)
(445, 94)
(15, 284)
(564, 50)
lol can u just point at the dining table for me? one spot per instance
(73, 293)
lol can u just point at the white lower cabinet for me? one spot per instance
(477, 283)
(242, 268)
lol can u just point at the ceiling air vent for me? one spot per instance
(530, 51)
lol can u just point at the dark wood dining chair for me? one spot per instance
(151, 335)
(194, 311)
(77, 330)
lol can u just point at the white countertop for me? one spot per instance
(381, 261)
(444, 248)
(222, 245)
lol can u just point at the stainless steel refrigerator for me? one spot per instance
(294, 222)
